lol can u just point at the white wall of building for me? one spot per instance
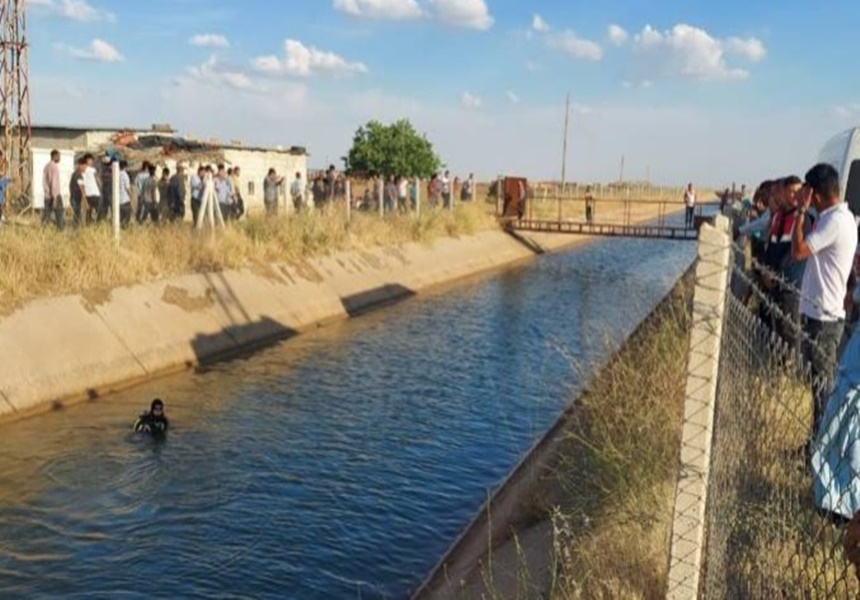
(41, 157)
(255, 164)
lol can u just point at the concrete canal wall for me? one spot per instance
(55, 351)
(489, 532)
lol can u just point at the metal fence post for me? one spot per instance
(417, 197)
(380, 196)
(686, 555)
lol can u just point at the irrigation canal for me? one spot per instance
(339, 464)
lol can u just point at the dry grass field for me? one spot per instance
(43, 262)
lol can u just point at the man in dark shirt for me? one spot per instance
(76, 191)
(154, 422)
(176, 194)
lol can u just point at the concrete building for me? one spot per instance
(254, 162)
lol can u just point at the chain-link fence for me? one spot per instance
(770, 530)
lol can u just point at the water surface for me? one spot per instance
(340, 464)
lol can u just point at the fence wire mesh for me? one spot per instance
(765, 536)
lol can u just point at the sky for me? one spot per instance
(708, 92)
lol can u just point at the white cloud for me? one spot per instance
(750, 48)
(98, 51)
(692, 53)
(470, 14)
(512, 96)
(304, 60)
(392, 10)
(617, 34)
(209, 40)
(73, 10)
(470, 101)
(539, 24)
(533, 66)
(571, 44)
(212, 73)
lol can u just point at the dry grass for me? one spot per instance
(617, 466)
(43, 262)
(607, 494)
(772, 542)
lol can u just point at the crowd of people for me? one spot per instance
(164, 196)
(802, 241)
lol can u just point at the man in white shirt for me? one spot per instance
(690, 205)
(93, 194)
(124, 194)
(829, 254)
(297, 192)
(446, 190)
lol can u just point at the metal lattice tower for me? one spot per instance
(15, 95)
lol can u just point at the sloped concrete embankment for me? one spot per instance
(494, 557)
(59, 350)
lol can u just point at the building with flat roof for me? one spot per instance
(164, 147)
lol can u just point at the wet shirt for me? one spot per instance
(149, 423)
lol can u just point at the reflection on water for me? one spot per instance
(339, 464)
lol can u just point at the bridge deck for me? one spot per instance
(662, 231)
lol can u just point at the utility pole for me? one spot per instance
(15, 94)
(564, 146)
(621, 174)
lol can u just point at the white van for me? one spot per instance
(843, 152)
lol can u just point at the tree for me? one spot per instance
(395, 149)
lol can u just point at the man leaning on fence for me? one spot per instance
(829, 255)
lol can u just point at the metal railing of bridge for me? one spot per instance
(623, 217)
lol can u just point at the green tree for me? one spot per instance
(396, 149)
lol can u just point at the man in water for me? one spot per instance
(153, 422)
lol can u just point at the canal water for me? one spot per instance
(339, 464)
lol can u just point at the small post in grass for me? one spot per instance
(417, 197)
(380, 196)
(114, 166)
(348, 193)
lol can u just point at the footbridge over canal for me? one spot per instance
(605, 217)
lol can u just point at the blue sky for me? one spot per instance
(712, 92)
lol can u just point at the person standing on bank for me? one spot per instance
(53, 192)
(829, 254)
(690, 206)
(124, 195)
(271, 186)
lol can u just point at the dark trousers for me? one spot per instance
(238, 208)
(125, 214)
(54, 210)
(147, 209)
(820, 351)
(688, 216)
(177, 211)
(76, 211)
(271, 208)
(104, 207)
(226, 211)
(93, 209)
(195, 208)
(589, 213)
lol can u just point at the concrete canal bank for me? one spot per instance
(56, 351)
(511, 548)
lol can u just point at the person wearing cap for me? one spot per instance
(154, 422)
